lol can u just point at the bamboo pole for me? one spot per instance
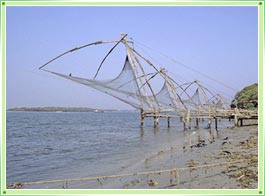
(241, 122)
(133, 174)
(187, 121)
(122, 38)
(156, 119)
(142, 117)
(216, 127)
(147, 81)
(197, 123)
(136, 75)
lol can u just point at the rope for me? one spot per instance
(108, 55)
(77, 48)
(19, 185)
(186, 66)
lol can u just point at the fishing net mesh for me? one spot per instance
(126, 87)
(132, 86)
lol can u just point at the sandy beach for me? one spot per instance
(225, 146)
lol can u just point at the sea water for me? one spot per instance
(44, 146)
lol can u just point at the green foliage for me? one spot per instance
(247, 98)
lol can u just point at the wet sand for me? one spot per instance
(227, 145)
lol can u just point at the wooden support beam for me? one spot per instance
(185, 126)
(197, 123)
(187, 121)
(216, 126)
(142, 117)
(209, 123)
(241, 122)
(168, 121)
(156, 120)
(236, 120)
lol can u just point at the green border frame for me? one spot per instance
(258, 191)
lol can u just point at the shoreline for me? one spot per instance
(227, 145)
(201, 148)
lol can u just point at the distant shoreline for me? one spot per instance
(57, 109)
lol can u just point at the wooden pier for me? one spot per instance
(211, 115)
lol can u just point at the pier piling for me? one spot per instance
(216, 126)
(156, 120)
(197, 123)
(187, 121)
(142, 117)
(241, 122)
(168, 121)
(209, 123)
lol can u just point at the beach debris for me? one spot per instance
(15, 185)
(240, 177)
(65, 185)
(152, 183)
(252, 142)
(201, 139)
(100, 182)
(227, 152)
(226, 141)
(154, 156)
(245, 176)
(224, 154)
(170, 178)
(131, 183)
(198, 145)
(243, 142)
(192, 164)
(211, 140)
(173, 175)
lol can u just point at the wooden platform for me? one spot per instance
(186, 116)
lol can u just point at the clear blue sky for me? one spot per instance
(219, 41)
